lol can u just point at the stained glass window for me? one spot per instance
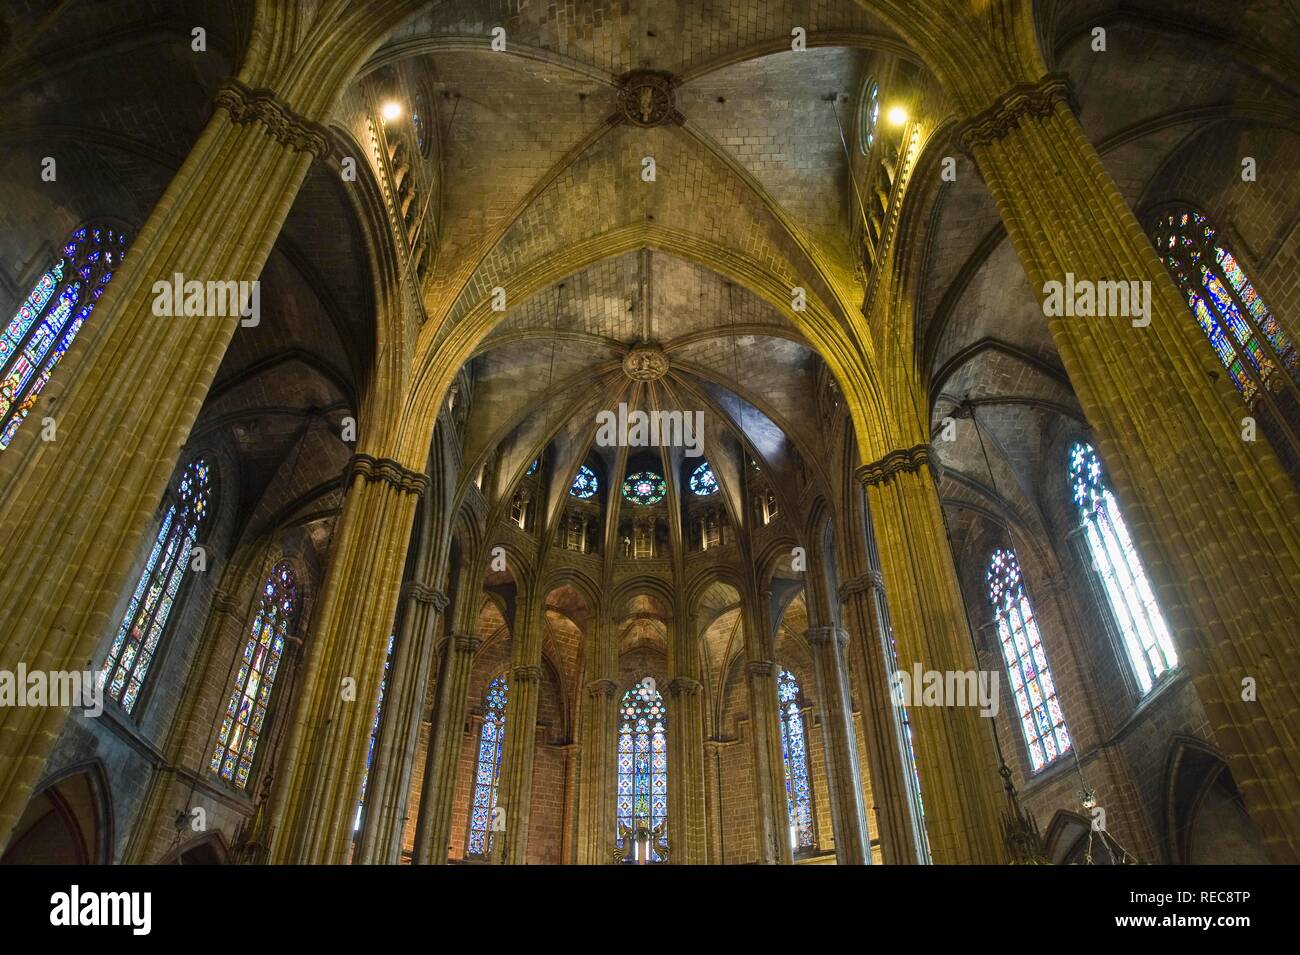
(585, 484)
(1041, 719)
(532, 468)
(488, 770)
(794, 752)
(49, 318)
(374, 732)
(703, 481)
(158, 588)
(1146, 638)
(868, 118)
(250, 700)
(642, 798)
(645, 487)
(1249, 341)
(418, 122)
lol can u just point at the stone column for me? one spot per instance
(954, 751)
(1198, 500)
(599, 755)
(81, 505)
(843, 774)
(399, 737)
(895, 814)
(516, 787)
(687, 834)
(331, 733)
(769, 766)
(433, 827)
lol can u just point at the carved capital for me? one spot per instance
(528, 673)
(760, 668)
(854, 586)
(414, 590)
(827, 636)
(227, 603)
(684, 686)
(465, 642)
(599, 688)
(1022, 100)
(904, 460)
(248, 105)
(388, 471)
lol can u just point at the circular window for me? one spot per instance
(868, 117)
(585, 484)
(703, 481)
(645, 487)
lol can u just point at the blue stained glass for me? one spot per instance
(703, 481)
(645, 488)
(157, 588)
(1046, 735)
(794, 753)
(1147, 640)
(868, 117)
(585, 484)
(641, 796)
(532, 468)
(1225, 302)
(250, 698)
(487, 773)
(374, 730)
(44, 317)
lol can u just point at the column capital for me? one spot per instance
(760, 668)
(465, 642)
(527, 673)
(684, 686)
(827, 636)
(1024, 99)
(225, 602)
(903, 460)
(420, 593)
(387, 470)
(855, 585)
(605, 688)
(245, 104)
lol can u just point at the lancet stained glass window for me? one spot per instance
(49, 318)
(1041, 719)
(158, 588)
(703, 481)
(585, 484)
(794, 752)
(374, 732)
(1249, 341)
(868, 118)
(488, 768)
(642, 796)
(1146, 638)
(250, 700)
(645, 487)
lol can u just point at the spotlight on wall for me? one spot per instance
(390, 111)
(897, 116)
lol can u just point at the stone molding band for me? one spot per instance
(684, 686)
(388, 471)
(245, 104)
(465, 642)
(605, 688)
(414, 590)
(1024, 99)
(904, 460)
(528, 673)
(827, 636)
(760, 668)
